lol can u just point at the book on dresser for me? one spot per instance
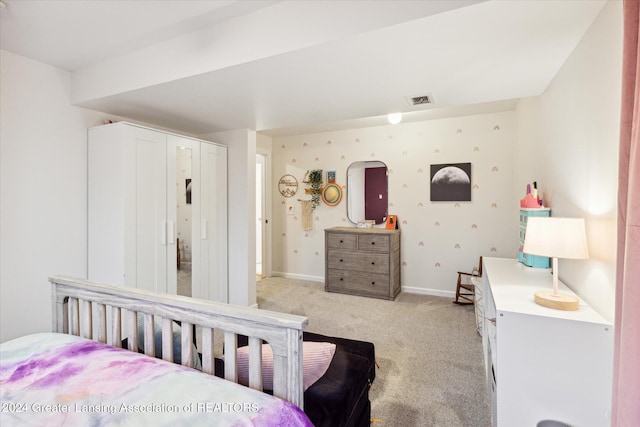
(363, 262)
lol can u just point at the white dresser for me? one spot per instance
(542, 364)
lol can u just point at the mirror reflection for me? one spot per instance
(183, 220)
(367, 192)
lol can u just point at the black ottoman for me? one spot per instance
(340, 398)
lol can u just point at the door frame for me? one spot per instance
(266, 211)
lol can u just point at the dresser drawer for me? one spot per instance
(373, 243)
(372, 263)
(357, 282)
(342, 241)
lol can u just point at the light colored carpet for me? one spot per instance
(431, 368)
(184, 279)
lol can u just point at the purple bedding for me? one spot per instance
(54, 379)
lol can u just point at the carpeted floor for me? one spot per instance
(431, 368)
(184, 279)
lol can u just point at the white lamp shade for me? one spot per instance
(556, 237)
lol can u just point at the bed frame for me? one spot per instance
(107, 313)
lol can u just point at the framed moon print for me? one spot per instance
(451, 182)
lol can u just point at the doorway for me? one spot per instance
(261, 199)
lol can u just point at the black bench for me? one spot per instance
(340, 398)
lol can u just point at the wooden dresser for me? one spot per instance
(362, 262)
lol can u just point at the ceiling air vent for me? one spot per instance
(419, 100)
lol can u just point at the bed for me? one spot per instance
(94, 368)
(79, 375)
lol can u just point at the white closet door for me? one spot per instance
(150, 218)
(213, 222)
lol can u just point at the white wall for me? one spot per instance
(43, 190)
(568, 143)
(438, 238)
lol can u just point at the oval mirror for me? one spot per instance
(367, 192)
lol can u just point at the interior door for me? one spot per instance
(260, 213)
(375, 194)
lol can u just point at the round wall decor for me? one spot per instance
(332, 194)
(288, 185)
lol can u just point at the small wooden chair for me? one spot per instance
(465, 289)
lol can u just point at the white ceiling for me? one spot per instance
(296, 66)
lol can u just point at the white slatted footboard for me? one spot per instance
(99, 311)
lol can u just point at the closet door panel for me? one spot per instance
(183, 213)
(150, 218)
(213, 226)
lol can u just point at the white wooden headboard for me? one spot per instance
(96, 311)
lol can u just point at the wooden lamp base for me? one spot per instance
(557, 301)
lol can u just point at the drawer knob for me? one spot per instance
(373, 283)
(341, 279)
(373, 243)
(340, 260)
(373, 263)
(341, 241)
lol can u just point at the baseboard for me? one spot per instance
(297, 276)
(406, 289)
(433, 292)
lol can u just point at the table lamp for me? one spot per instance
(556, 238)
